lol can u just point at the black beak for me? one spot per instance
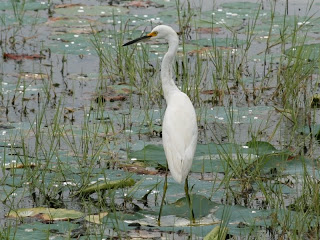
(146, 37)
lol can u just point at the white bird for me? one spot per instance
(179, 128)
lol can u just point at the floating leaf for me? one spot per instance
(72, 24)
(116, 98)
(207, 30)
(70, 44)
(217, 233)
(60, 215)
(33, 76)
(122, 88)
(307, 52)
(68, 5)
(241, 5)
(138, 4)
(97, 218)
(13, 165)
(135, 168)
(103, 10)
(38, 230)
(153, 154)
(201, 206)
(47, 214)
(24, 6)
(260, 147)
(313, 129)
(105, 185)
(219, 42)
(19, 57)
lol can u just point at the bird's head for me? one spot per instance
(161, 31)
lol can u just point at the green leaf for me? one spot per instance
(217, 233)
(23, 6)
(38, 230)
(260, 147)
(218, 42)
(106, 185)
(69, 43)
(24, 19)
(241, 5)
(201, 205)
(101, 10)
(307, 52)
(313, 129)
(153, 154)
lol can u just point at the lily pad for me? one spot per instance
(71, 44)
(71, 23)
(38, 230)
(47, 214)
(23, 20)
(260, 147)
(24, 6)
(153, 154)
(97, 218)
(219, 42)
(102, 11)
(314, 130)
(307, 52)
(241, 5)
(217, 233)
(208, 157)
(201, 207)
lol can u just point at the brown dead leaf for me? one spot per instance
(69, 110)
(200, 51)
(134, 168)
(143, 4)
(54, 19)
(127, 90)
(96, 218)
(291, 158)
(30, 37)
(68, 5)
(116, 98)
(19, 57)
(209, 92)
(138, 4)
(82, 31)
(19, 165)
(208, 30)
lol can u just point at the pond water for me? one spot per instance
(77, 108)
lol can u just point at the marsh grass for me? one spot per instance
(18, 9)
(103, 138)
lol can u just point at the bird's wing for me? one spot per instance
(179, 133)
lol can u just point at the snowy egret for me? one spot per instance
(179, 128)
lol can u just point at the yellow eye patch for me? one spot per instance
(152, 34)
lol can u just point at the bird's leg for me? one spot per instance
(165, 186)
(186, 189)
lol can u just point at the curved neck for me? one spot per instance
(168, 84)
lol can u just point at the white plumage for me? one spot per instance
(179, 128)
(179, 135)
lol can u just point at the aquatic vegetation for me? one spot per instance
(81, 120)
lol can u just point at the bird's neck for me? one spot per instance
(168, 85)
